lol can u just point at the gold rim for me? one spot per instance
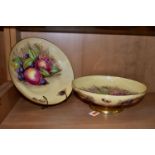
(106, 110)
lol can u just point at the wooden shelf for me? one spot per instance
(125, 30)
(73, 113)
(119, 51)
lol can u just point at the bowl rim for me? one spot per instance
(141, 93)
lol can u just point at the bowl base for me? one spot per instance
(106, 110)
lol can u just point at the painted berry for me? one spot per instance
(26, 55)
(43, 82)
(20, 77)
(21, 69)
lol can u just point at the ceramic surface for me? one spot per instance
(109, 81)
(41, 71)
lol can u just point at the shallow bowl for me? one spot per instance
(102, 101)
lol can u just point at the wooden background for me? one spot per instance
(120, 55)
(130, 56)
(2, 58)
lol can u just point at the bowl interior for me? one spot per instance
(109, 81)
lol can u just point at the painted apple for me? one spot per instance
(32, 75)
(44, 63)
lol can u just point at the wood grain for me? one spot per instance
(2, 62)
(74, 114)
(8, 98)
(124, 30)
(7, 47)
(14, 36)
(118, 55)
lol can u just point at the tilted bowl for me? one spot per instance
(41, 71)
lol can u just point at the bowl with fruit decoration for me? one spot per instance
(109, 94)
(41, 71)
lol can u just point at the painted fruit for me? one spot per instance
(32, 75)
(20, 76)
(44, 63)
(26, 55)
(43, 82)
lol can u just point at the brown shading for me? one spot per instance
(44, 100)
(85, 98)
(131, 102)
(63, 92)
(73, 114)
(107, 101)
(117, 30)
(9, 95)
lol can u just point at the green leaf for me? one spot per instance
(32, 54)
(27, 62)
(15, 65)
(16, 62)
(36, 48)
(55, 69)
(44, 72)
(17, 59)
(36, 53)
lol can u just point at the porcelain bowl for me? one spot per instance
(80, 85)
